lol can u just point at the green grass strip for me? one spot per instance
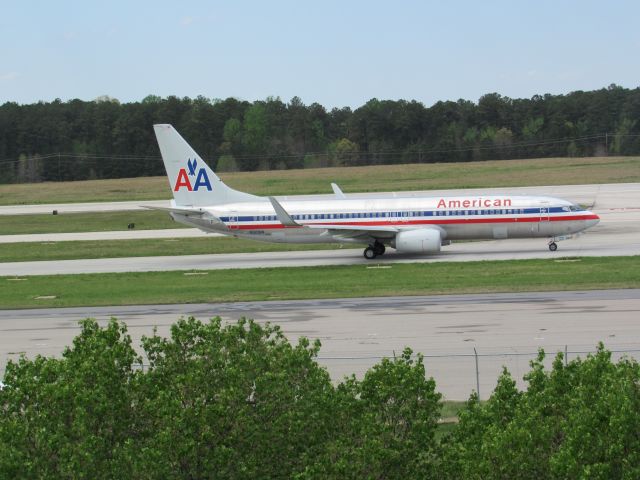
(426, 176)
(34, 251)
(319, 282)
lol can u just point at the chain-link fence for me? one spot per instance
(458, 374)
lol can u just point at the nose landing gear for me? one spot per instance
(372, 251)
(553, 246)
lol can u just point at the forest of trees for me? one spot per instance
(238, 401)
(106, 139)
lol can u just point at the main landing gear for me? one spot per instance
(553, 246)
(372, 251)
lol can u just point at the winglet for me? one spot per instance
(337, 191)
(282, 214)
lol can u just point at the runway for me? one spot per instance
(87, 207)
(111, 235)
(505, 329)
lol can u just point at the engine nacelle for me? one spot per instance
(421, 240)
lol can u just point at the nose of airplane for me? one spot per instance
(592, 220)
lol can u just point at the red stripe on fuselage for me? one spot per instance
(448, 221)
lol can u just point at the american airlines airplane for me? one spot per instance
(411, 224)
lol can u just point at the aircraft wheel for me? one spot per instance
(553, 246)
(379, 249)
(369, 253)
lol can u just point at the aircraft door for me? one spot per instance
(233, 221)
(543, 224)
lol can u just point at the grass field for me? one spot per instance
(86, 222)
(500, 173)
(318, 282)
(26, 252)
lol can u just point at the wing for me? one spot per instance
(363, 232)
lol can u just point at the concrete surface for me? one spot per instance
(505, 329)
(111, 235)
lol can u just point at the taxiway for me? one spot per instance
(505, 329)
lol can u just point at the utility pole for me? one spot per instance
(475, 354)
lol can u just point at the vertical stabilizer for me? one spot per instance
(191, 180)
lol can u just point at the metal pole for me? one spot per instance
(475, 354)
(566, 360)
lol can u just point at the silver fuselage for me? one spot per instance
(458, 218)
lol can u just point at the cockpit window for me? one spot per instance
(576, 208)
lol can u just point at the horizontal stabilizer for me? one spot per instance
(181, 211)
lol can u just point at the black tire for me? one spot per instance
(379, 249)
(369, 253)
(553, 246)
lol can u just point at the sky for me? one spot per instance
(336, 53)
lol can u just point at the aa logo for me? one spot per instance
(201, 179)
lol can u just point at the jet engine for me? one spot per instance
(421, 240)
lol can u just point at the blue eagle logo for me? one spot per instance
(192, 166)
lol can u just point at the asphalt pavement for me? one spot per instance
(504, 329)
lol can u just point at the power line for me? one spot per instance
(410, 150)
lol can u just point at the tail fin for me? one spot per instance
(191, 180)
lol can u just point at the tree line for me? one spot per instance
(239, 401)
(50, 141)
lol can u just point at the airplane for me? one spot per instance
(402, 221)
